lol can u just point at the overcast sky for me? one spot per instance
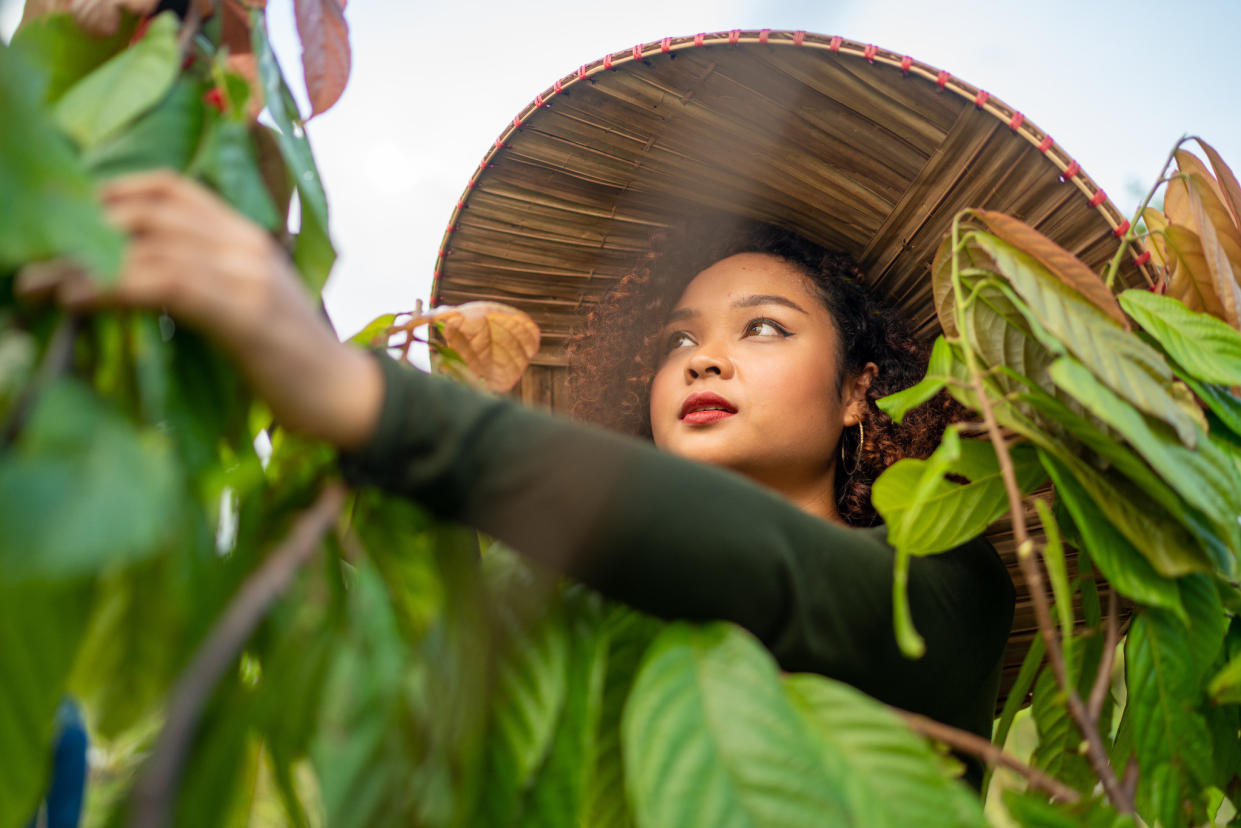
(433, 84)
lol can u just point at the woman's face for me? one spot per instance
(748, 379)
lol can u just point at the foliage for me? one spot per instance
(412, 673)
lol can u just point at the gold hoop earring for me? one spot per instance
(857, 458)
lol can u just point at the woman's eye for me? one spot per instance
(679, 339)
(765, 327)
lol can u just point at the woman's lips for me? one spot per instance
(705, 408)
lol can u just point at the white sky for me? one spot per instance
(433, 84)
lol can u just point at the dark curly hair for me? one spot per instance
(613, 360)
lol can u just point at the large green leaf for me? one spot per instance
(1206, 347)
(710, 738)
(41, 627)
(1032, 810)
(1059, 739)
(899, 404)
(62, 512)
(228, 161)
(1132, 369)
(558, 794)
(1121, 563)
(1203, 477)
(630, 633)
(48, 206)
(124, 87)
(63, 52)
(892, 777)
(1166, 663)
(530, 696)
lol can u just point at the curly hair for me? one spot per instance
(614, 358)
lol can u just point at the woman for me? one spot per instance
(755, 356)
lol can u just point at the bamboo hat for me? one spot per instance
(851, 146)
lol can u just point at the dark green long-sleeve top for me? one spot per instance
(680, 539)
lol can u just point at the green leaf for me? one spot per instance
(1224, 404)
(530, 696)
(1123, 566)
(557, 796)
(366, 337)
(124, 87)
(41, 627)
(61, 511)
(48, 206)
(168, 136)
(1128, 366)
(229, 162)
(61, 50)
(1206, 347)
(1203, 477)
(1059, 741)
(1225, 687)
(937, 376)
(892, 776)
(925, 513)
(1031, 810)
(710, 738)
(1165, 668)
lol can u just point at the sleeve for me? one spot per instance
(680, 539)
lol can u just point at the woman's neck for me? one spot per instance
(814, 494)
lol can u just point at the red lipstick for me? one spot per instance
(705, 408)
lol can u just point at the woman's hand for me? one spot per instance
(212, 269)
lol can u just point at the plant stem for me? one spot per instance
(1088, 726)
(56, 359)
(975, 745)
(156, 788)
(1103, 678)
(1113, 267)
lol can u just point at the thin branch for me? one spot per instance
(975, 745)
(1113, 267)
(189, 25)
(155, 790)
(56, 360)
(1103, 679)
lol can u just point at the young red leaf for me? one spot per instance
(325, 50)
(495, 341)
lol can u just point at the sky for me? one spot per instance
(433, 84)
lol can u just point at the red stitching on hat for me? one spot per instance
(799, 37)
(1071, 170)
(470, 184)
(698, 38)
(581, 72)
(762, 35)
(460, 205)
(1143, 259)
(557, 87)
(1015, 122)
(870, 51)
(941, 79)
(906, 62)
(538, 100)
(607, 61)
(1046, 144)
(637, 52)
(1098, 198)
(517, 122)
(734, 36)
(834, 45)
(499, 143)
(981, 98)
(665, 45)
(1122, 229)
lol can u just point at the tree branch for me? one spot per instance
(975, 745)
(57, 358)
(154, 792)
(1103, 679)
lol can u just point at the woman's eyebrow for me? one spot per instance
(757, 299)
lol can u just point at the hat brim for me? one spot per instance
(853, 147)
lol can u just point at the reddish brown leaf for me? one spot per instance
(1227, 182)
(1217, 259)
(1064, 265)
(1156, 224)
(325, 50)
(1191, 276)
(1190, 164)
(495, 341)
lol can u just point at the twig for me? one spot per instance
(1113, 266)
(56, 359)
(154, 792)
(991, 754)
(189, 25)
(1103, 678)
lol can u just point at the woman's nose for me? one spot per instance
(707, 362)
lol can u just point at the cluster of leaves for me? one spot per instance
(1127, 405)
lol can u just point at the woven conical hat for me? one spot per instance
(854, 147)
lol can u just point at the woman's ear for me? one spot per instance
(855, 394)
